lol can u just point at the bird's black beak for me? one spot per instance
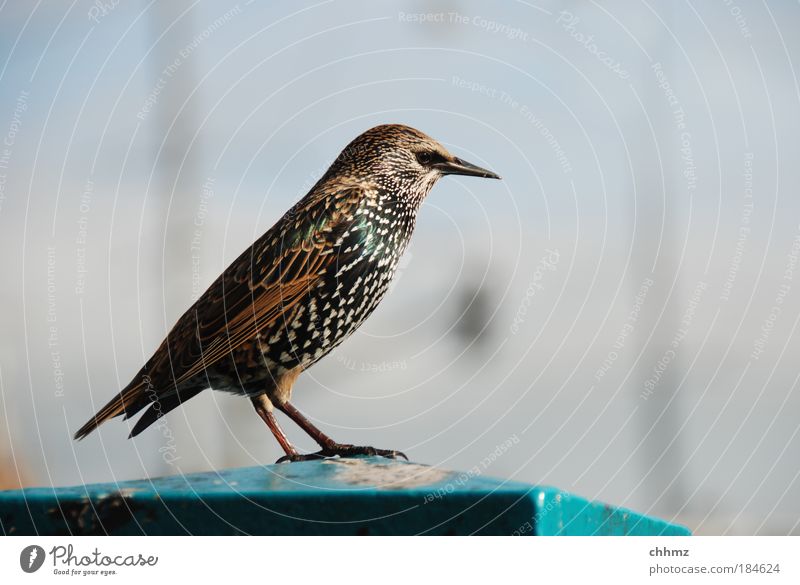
(456, 166)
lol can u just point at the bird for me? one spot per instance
(299, 291)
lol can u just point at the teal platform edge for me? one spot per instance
(359, 496)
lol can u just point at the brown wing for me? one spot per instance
(263, 285)
(259, 288)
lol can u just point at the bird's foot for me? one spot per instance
(301, 457)
(355, 450)
(342, 451)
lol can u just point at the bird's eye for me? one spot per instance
(424, 158)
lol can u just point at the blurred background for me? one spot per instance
(616, 318)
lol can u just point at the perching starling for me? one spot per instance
(299, 291)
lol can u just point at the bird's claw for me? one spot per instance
(343, 451)
(300, 457)
(355, 450)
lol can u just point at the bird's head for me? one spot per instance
(401, 159)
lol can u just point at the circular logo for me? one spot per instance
(31, 558)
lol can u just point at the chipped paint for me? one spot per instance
(386, 476)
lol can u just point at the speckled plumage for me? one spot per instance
(303, 287)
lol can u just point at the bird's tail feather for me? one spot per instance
(131, 400)
(163, 406)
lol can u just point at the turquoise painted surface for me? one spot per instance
(368, 496)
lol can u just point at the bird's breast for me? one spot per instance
(365, 259)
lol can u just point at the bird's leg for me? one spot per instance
(264, 409)
(330, 448)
